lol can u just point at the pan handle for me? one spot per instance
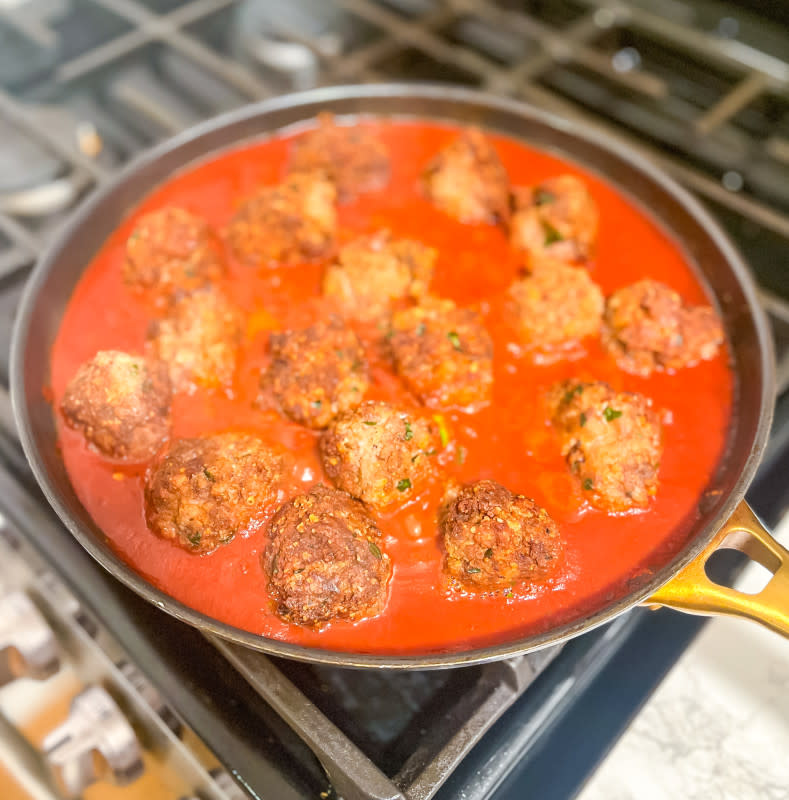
(692, 591)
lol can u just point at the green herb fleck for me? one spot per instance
(509, 594)
(357, 364)
(316, 403)
(588, 485)
(460, 456)
(551, 234)
(420, 329)
(542, 196)
(473, 570)
(370, 422)
(570, 393)
(389, 334)
(611, 414)
(409, 431)
(375, 550)
(403, 484)
(135, 366)
(582, 419)
(195, 538)
(443, 431)
(210, 475)
(455, 339)
(488, 553)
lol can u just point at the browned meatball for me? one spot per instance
(558, 218)
(317, 372)
(468, 181)
(556, 306)
(353, 157)
(612, 442)
(204, 491)
(443, 354)
(120, 404)
(199, 340)
(171, 252)
(493, 538)
(378, 453)
(647, 327)
(289, 223)
(373, 271)
(324, 559)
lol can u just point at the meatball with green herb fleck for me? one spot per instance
(199, 341)
(317, 373)
(324, 559)
(372, 272)
(204, 491)
(171, 252)
(557, 218)
(379, 454)
(494, 538)
(352, 156)
(468, 181)
(611, 441)
(121, 404)
(648, 327)
(289, 223)
(444, 354)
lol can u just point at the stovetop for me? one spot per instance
(85, 85)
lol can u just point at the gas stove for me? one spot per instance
(97, 686)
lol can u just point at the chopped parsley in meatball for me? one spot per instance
(494, 538)
(611, 441)
(204, 491)
(379, 453)
(317, 373)
(325, 560)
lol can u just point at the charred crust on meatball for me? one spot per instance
(325, 560)
(203, 491)
(493, 538)
(317, 372)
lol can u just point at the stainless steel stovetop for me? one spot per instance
(85, 85)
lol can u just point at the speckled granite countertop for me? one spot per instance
(718, 726)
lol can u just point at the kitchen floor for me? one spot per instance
(718, 726)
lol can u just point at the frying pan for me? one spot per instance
(724, 518)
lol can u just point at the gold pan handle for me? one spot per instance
(692, 591)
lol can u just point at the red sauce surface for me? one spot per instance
(510, 441)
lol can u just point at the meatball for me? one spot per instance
(324, 560)
(373, 271)
(493, 538)
(558, 218)
(317, 372)
(199, 340)
(443, 354)
(353, 157)
(556, 306)
(468, 181)
(171, 252)
(647, 327)
(120, 404)
(612, 442)
(289, 223)
(378, 453)
(204, 491)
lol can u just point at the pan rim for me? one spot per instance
(430, 660)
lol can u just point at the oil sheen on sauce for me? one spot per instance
(510, 441)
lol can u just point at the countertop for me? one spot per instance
(717, 728)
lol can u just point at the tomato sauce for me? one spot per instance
(511, 440)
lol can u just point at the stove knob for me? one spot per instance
(28, 647)
(95, 743)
